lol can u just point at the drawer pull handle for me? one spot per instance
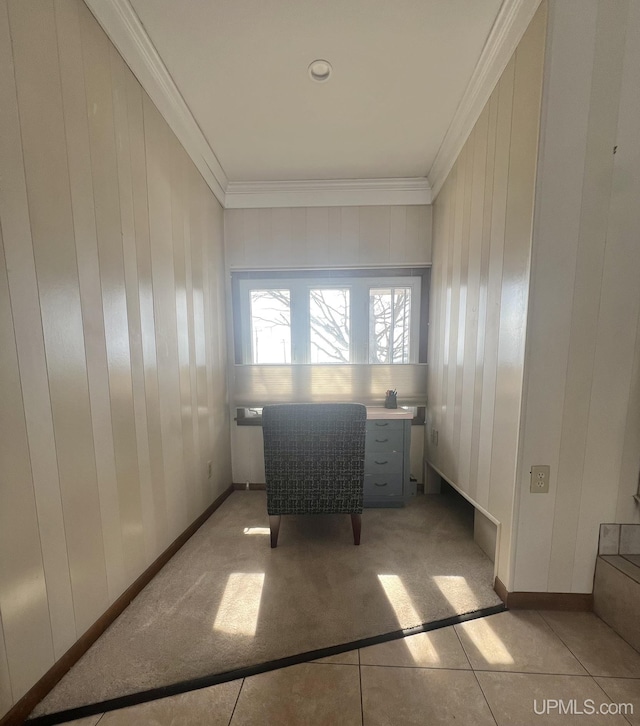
(385, 423)
(380, 485)
(381, 462)
(381, 441)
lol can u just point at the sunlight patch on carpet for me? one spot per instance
(240, 604)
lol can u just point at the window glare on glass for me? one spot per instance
(270, 312)
(389, 324)
(343, 319)
(329, 322)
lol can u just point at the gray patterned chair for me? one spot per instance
(314, 461)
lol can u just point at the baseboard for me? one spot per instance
(249, 485)
(576, 601)
(22, 708)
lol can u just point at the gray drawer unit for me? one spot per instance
(386, 467)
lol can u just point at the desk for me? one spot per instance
(386, 459)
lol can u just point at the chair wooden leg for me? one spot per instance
(356, 525)
(274, 525)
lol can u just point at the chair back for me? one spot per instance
(314, 457)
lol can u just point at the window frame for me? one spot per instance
(335, 275)
(359, 281)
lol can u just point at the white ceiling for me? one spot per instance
(400, 69)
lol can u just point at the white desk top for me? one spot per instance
(374, 412)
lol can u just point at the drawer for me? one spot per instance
(383, 440)
(383, 486)
(377, 425)
(384, 462)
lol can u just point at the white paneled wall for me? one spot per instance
(582, 405)
(112, 334)
(322, 237)
(479, 287)
(327, 237)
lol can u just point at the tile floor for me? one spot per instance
(497, 670)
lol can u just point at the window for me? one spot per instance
(270, 314)
(330, 317)
(321, 335)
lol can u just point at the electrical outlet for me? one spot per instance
(209, 469)
(540, 479)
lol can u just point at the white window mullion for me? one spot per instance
(300, 322)
(360, 321)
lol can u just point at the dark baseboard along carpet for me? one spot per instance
(228, 604)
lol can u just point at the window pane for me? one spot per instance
(389, 324)
(270, 326)
(329, 325)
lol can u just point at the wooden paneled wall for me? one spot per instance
(112, 334)
(328, 237)
(479, 288)
(582, 404)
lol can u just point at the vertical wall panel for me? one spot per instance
(317, 237)
(14, 219)
(23, 593)
(234, 230)
(181, 228)
(349, 236)
(461, 352)
(220, 441)
(96, 54)
(281, 241)
(192, 230)
(470, 365)
(119, 74)
(198, 221)
(147, 315)
(478, 400)
(160, 226)
(498, 205)
(81, 185)
(37, 74)
(417, 241)
(374, 235)
(453, 303)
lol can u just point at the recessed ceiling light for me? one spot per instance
(320, 70)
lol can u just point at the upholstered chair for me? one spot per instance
(314, 461)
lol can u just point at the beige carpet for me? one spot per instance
(227, 600)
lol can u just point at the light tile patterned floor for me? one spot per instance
(511, 669)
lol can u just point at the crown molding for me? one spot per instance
(121, 23)
(510, 25)
(328, 193)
